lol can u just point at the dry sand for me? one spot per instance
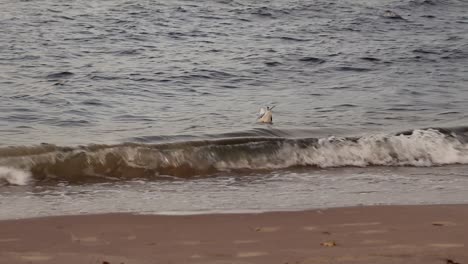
(381, 234)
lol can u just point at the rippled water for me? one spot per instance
(107, 71)
(138, 75)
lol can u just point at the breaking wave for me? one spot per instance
(422, 147)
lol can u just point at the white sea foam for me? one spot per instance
(14, 176)
(421, 148)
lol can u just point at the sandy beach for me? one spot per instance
(379, 234)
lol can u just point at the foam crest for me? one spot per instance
(420, 148)
(14, 176)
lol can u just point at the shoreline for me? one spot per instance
(361, 234)
(228, 213)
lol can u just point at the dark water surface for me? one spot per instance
(157, 89)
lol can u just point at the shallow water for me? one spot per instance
(277, 191)
(172, 89)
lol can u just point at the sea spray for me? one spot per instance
(14, 176)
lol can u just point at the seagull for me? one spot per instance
(266, 115)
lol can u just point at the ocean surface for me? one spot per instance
(150, 106)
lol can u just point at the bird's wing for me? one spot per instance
(262, 112)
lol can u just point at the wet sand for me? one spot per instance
(380, 234)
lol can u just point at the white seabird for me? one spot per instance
(266, 115)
